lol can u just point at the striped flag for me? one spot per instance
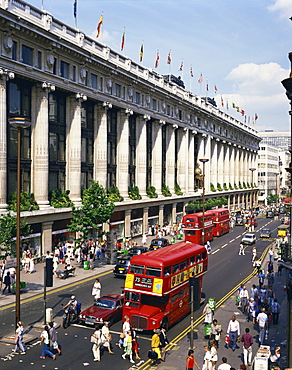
(181, 66)
(215, 89)
(191, 72)
(200, 78)
(123, 40)
(169, 57)
(100, 22)
(222, 102)
(141, 52)
(75, 9)
(157, 59)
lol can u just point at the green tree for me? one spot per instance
(272, 198)
(96, 208)
(8, 234)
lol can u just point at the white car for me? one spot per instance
(248, 239)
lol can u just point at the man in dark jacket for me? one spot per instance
(163, 343)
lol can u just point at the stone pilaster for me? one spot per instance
(47, 228)
(73, 152)
(214, 162)
(170, 158)
(145, 220)
(161, 215)
(100, 147)
(156, 156)
(141, 155)
(182, 159)
(191, 163)
(220, 164)
(208, 164)
(128, 223)
(123, 153)
(40, 146)
(173, 213)
(3, 146)
(236, 164)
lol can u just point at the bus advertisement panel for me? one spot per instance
(193, 227)
(221, 220)
(157, 284)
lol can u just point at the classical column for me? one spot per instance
(3, 145)
(208, 164)
(231, 162)
(173, 213)
(73, 153)
(47, 228)
(214, 162)
(40, 145)
(100, 147)
(123, 153)
(220, 164)
(191, 163)
(226, 164)
(145, 220)
(182, 159)
(141, 155)
(156, 156)
(161, 215)
(128, 223)
(236, 164)
(170, 157)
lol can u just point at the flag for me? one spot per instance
(157, 59)
(181, 66)
(245, 119)
(256, 116)
(141, 52)
(227, 107)
(200, 78)
(169, 57)
(222, 102)
(233, 105)
(248, 120)
(215, 89)
(191, 72)
(207, 86)
(242, 112)
(100, 22)
(75, 8)
(123, 40)
(237, 109)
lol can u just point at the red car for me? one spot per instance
(107, 308)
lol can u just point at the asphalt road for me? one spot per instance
(226, 269)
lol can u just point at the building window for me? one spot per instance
(118, 90)
(39, 61)
(101, 84)
(111, 147)
(168, 110)
(132, 150)
(27, 55)
(154, 104)
(64, 69)
(87, 125)
(149, 154)
(93, 81)
(74, 73)
(14, 51)
(137, 100)
(19, 101)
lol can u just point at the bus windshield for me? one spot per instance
(154, 301)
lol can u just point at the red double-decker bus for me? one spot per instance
(193, 227)
(157, 284)
(221, 217)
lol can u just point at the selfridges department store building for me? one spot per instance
(96, 114)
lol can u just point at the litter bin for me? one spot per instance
(212, 303)
(49, 315)
(86, 265)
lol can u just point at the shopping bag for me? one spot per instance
(207, 330)
(152, 355)
(227, 339)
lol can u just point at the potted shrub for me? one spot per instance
(151, 192)
(165, 191)
(59, 198)
(114, 194)
(133, 192)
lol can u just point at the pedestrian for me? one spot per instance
(215, 332)
(91, 260)
(254, 253)
(96, 290)
(135, 346)
(163, 343)
(224, 365)
(190, 361)
(7, 282)
(128, 347)
(276, 311)
(209, 314)
(96, 344)
(253, 291)
(214, 355)
(251, 309)
(262, 320)
(45, 340)
(234, 331)
(241, 249)
(31, 265)
(54, 338)
(244, 297)
(155, 345)
(263, 293)
(207, 365)
(19, 339)
(271, 255)
(270, 295)
(274, 359)
(247, 349)
(261, 277)
(106, 337)
(144, 239)
(270, 267)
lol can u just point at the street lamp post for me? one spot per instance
(18, 123)
(252, 194)
(203, 160)
(277, 190)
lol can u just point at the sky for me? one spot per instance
(239, 46)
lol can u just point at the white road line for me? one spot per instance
(239, 236)
(223, 246)
(217, 250)
(232, 240)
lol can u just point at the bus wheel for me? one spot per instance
(164, 323)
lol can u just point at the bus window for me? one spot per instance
(136, 269)
(166, 271)
(154, 301)
(132, 299)
(190, 220)
(192, 260)
(153, 271)
(183, 265)
(175, 269)
(190, 232)
(180, 294)
(204, 255)
(199, 257)
(174, 298)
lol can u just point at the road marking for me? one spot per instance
(223, 246)
(217, 250)
(232, 240)
(239, 236)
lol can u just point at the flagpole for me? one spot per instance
(75, 13)
(42, 4)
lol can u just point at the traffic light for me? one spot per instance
(49, 272)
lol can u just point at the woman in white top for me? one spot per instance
(106, 337)
(213, 352)
(96, 290)
(96, 345)
(18, 338)
(207, 359)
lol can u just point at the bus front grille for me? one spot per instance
(139, 322)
